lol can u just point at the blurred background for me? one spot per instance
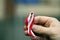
(14, 12)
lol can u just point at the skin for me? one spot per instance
(46, 26)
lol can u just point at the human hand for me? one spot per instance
(46, 25)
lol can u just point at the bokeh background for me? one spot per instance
(14, 12)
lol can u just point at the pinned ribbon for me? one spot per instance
(29, 23)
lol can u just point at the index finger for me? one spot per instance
(42, 19)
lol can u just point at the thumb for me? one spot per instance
(40, 29)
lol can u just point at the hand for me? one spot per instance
(46, 25)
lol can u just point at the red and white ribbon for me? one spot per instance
(29, 23)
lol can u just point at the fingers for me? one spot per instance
(40, 29)
(40, 19)
(26, 33)
(45, 20)
(25, 28)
